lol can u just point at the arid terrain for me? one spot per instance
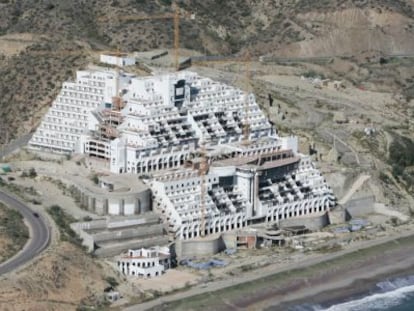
(42, 43)
(55, 281)
(300, 108)
(362, 129)
(13, 232)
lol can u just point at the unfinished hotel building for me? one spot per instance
(184, 135)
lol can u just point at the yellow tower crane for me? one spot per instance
(203, 170)
(246, 125)
(204, 165)
(176, 16)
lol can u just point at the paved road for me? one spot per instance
(259, 273)
(39, 235)
(14, 145)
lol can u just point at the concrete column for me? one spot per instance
(256, 193)
(121, 207)
(137, 207)
(83, 200)
(93, 204)
(105, 207)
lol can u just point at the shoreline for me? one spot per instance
(349, 280)
(360, 287)
(332, 278)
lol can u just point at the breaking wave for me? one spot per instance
(387, 295)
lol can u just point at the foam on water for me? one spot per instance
(378, 301)
(388, 295)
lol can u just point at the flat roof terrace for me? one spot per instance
(270, 160)
(116, 185)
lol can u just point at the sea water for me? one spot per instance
(390, 295)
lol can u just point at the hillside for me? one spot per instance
(13, 232)
(35, 37)
(44, 42)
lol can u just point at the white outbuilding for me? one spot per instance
(117, 59)
(145, 263)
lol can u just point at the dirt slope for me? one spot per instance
(29, 81)
(351, 31)
(62, 279)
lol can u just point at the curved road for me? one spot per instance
(39, 235)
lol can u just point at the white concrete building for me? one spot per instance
(165, 117)
(74, 114)
(70, 116)
(145, 263)
(155, 125)
(262, 183)
(117, 59)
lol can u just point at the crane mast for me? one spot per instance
(203, 169)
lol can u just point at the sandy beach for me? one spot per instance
(330, 278)
(355, 282)
(359, 288)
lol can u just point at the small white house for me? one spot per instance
(117, 59)
(145, 262)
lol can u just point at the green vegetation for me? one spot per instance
(36, 75)
(385, 178)
(401, 157)
(31, 173)
(95, 179)
(111, 281)
(64, 31)
(13, 229)
(409, 92)
(63, 221)
(26, 193)
(313, 74)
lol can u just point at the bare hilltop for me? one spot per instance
(43, 42)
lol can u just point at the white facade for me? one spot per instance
(262, 187)
(162, 120)
(69, 116)
(155, 126)
(145, 263)
(120, 60)
(165, 118)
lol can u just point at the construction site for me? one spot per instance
(199, 154)
(207, 156)
(195, 164)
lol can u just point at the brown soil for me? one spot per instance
(63, 278)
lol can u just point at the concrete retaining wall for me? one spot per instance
(199, 248)
(313, 223)
(338, 215)
(119, 233)
(135, 233)
(116, 249)
(113, 203)
(87, 239)
(361, 206)
(139, 220)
